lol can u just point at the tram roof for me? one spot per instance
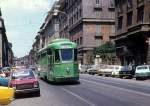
(59, 40)
(57, 44)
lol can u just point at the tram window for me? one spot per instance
(49, 52)
(57, 59)
(66, 54)
(75, 54)
(43, 55)
(38, 57)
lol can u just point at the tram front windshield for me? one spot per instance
(66, 54)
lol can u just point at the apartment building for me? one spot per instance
(133, 31)
(6, 53)
(50, 28)
(89, 23)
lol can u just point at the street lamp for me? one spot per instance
(1, 22)
(56, 11)
(64, 21)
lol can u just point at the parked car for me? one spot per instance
(25, 81)
(6, 95)
(126, 72)
(93, 70)
(7, 71)
(83, 68)
(142, 71)
(3, 81)
(106, 70)
(2, 73)
(116, 71)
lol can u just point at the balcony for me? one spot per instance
(138, 28)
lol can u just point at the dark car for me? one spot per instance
(126, 72)
(7, 71)
(25, 81)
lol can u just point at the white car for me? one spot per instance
(142, 71)
(109, 70)
(93, 70)
(83, 68)
(117, 70)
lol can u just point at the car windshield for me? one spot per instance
(66, 54)
(19, 74)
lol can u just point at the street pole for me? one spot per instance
(1, 49)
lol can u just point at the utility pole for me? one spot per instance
(1, 28)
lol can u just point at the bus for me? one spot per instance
(58, 61)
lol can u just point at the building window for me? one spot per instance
(120, 19)
(98, 40)
(140, 1)
(112, 13)
(80, 40)
(129, 18)
(77, 15)
(97, 13)
(80, 13)
(97, 2)
(98, 30)
(140, 14)
(112, 4)
(75, 41)
(119, 6)
(129, 4)
(112, 29)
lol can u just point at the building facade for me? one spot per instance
(6, 53)
(89, 23)
(133, 31)
(50, 28)
(22, 61)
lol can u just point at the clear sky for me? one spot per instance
(23, 19)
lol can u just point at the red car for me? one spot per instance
(25, 81)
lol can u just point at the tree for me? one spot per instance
(106, 51)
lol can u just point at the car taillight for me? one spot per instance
(36, 84)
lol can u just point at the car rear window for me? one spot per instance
(142, 68)
(22, 74)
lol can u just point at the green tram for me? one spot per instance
(58, 61)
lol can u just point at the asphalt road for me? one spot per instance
(91, 91)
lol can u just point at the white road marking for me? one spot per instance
(146, 82)
(118, 83)
(79, 97)
(131, 91)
